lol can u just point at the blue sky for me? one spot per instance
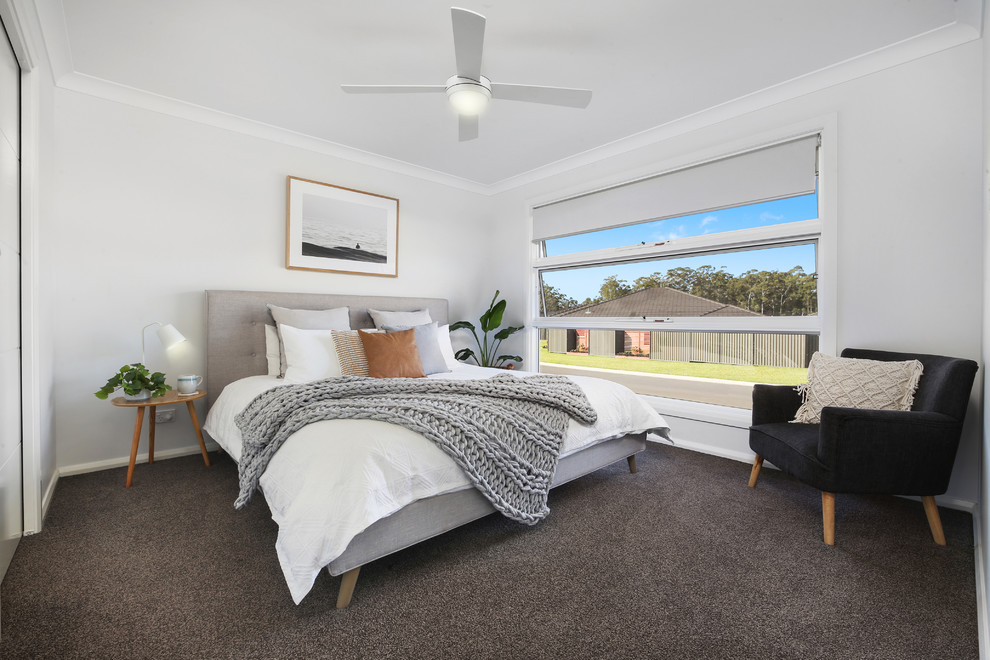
(585, 283)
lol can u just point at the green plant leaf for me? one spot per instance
(505, 332)
(490, 320)
(493, 317)
(132, 378)
(464, 354)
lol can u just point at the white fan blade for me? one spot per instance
(469, 42)
(392, 89)
(573, 98)
(467, 127)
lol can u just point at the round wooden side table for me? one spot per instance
(170, 397)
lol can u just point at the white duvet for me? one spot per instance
(331, 480)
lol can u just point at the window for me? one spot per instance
(692, 284)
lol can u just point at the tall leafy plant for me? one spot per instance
(490, 322)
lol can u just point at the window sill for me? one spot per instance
(701, 412)
(708, 392)
(650, 385)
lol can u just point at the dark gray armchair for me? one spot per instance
(869, 451)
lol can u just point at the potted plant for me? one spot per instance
(136, 381)
(488, 348)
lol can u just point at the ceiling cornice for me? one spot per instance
(140, 98)
(966, 27)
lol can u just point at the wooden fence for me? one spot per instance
(750, 348)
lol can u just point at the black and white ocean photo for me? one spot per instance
(337, 229)
(340, 230)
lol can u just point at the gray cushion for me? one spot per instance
(428, 344)
(383, 318)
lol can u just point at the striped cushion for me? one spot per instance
(350, 352)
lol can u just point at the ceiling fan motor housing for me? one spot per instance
(468, 96)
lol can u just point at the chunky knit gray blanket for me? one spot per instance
(505, 432)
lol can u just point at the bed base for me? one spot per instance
(436, 515)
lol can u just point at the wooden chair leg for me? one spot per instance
(828, 517)
(347, 582)
(632, 463)
(934, 520)
(754, 475)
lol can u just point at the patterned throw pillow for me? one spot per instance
(856, 383)
(350, 352)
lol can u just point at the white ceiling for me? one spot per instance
(648, 62)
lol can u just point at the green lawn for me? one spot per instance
(750, 374)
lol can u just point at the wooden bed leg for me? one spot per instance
(347, 582)
(828, 517)
(755, 474)
(632, 463)
(934, 521)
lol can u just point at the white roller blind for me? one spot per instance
(775, 172)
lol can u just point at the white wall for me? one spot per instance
(152, 210)
(908, 223)
(983, 519)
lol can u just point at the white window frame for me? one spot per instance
(821, 231)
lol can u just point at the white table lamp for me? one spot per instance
(167, 333)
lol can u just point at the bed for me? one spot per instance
(346, 461)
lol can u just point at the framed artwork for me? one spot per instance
(340, 230)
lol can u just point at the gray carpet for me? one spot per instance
(681, 560)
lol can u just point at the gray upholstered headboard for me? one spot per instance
(235, 326)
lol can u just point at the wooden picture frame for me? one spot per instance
(340, 230)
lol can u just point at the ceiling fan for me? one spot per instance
(468, 91)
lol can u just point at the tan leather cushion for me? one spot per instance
(392, 355)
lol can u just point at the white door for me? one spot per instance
(11, 493)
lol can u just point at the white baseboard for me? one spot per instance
(704, 448)
(46, 499)
(982, 614)
(96, 466)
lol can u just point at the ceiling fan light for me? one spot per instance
(468, 98)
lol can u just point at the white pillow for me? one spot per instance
(337, 318)
(273, 351)
(403, 319)
(309, 354)
(856, 383)
(446, 349)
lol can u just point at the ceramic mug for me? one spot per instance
(188, 383)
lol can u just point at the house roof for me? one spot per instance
(658, 302)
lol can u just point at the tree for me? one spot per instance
(555, 301)
(681, 278)
(712, 284)
(767, 292)
(648, 281)
(613, 288)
